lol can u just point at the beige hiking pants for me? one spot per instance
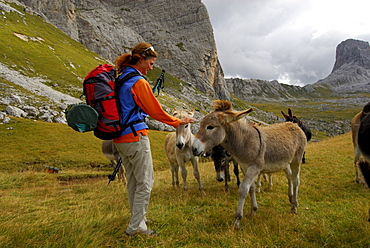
(137, 160)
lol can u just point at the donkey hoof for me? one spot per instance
(237, 220)
(253, 213)
(236, 224)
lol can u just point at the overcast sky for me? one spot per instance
(293, 41)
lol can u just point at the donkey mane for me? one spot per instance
(221, 105)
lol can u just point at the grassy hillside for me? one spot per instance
(76, 207)
(37, 49)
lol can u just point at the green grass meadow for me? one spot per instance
(77, 207)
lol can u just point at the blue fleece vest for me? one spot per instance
(127, 103)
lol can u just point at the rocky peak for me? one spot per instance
(351, 71)
(355, 52)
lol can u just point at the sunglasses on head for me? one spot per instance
(149, 48)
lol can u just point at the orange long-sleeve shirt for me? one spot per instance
(146, 100)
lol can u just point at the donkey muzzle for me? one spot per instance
(180, 145)
(196, 152)
(220, 176)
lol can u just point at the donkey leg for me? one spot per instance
(357, 157)
(244, 188)
(194, 162)
(122, 174)
(252, 194)
(175, 175)
(227, 177)
(226, 186)
(172, 175)
(236, 172)
(295, 167)
(259, 184)
(227, 173)
(288, 174)
(303, 158)
(184, 174)
(270, 181)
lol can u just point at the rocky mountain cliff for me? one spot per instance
(351, 71)
(355, 52)
(111, 27)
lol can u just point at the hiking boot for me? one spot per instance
(149, 233)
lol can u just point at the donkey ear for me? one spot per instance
(191, 112)
(231, 116)
(290, 113)
(244, 113)
(285, 116)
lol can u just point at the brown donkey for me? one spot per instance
(266, 149)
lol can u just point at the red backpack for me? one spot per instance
(100, 89)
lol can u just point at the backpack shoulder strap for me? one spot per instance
(119, 83)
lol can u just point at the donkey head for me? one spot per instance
(212, 127)
(292, 118)
(183, 132)
(220, 161)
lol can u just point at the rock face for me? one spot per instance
(180, 31)
(351, 71)
(355, 52)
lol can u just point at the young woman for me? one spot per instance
(137, 101)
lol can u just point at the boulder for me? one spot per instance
(14, 111)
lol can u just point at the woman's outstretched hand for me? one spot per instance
(186, 120)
